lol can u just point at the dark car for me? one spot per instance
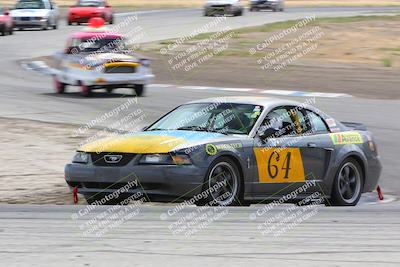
(274, 5)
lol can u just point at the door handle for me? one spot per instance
(311, 144)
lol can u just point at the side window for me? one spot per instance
(277, 124)
(300, 121)
(317, 124)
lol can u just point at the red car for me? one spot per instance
(6, 22)
(87, 9)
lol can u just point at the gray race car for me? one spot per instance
(223, 7)
(232, 151)
(274, 5)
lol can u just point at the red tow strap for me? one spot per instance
(75, 194)
(380, 195)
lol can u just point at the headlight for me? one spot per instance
(165, 159)
(81, 157)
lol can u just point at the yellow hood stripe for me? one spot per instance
(140, 144)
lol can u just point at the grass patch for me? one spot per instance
(387, 62)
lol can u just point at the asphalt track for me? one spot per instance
(44, 235)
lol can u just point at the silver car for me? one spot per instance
(42, 14)
(223, 7)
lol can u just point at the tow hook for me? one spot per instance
(75, 194)
(380, 195)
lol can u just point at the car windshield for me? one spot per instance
(89, 3)
(30, 4)
(87, 45)
(226, 118)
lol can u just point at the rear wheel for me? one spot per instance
(59, 86)
(11, 30)
(3, 31)
(223, 186)
(139, 89)
(348, 184)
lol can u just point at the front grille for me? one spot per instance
(25, 18)
(120, 69)
(98, 159)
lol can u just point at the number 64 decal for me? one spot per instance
(279, 165)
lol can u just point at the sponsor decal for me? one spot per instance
(279, 165)
(346, 138)
(211, 149)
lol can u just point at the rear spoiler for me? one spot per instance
(354, 125)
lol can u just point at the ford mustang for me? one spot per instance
(232, 151)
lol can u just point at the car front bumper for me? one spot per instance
(18, 23)
(156, 181)
(82, 19)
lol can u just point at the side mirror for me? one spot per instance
(144, 128)
(108, 6)
(7, 13)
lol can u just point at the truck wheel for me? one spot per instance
(348, 184)
(139, 89)
(85, 90)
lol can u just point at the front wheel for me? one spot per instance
(139, 89)
(59, 86)
(223, 185)
(348, 184)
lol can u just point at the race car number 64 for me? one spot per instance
(279, 165)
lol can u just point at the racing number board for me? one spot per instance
(279, 165)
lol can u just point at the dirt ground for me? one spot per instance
(360, 58)
(41, 180)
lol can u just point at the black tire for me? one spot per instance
(281, 9)
(239, 13)
(139, 89)
(347, 185)
(69, 23)
(11, 30)
(111, 21)
(228, 193)
(3, 31)
(109, 90)
(55, 26)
